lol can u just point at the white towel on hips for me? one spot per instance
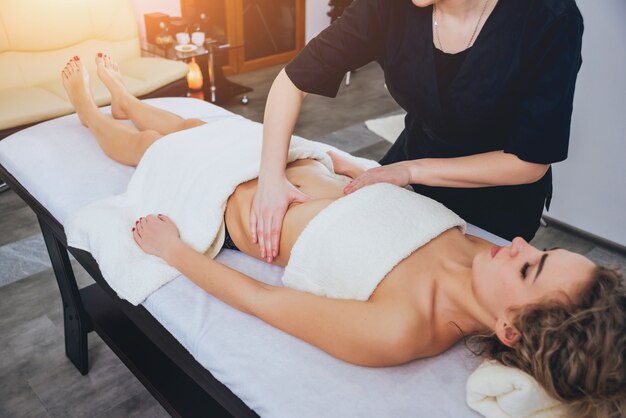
(188, 176)
(351, 245)
(498, 391)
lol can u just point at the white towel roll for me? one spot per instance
(498, 391)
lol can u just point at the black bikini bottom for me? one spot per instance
(228, 241)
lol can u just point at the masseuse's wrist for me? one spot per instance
(271, 174)
(419, 171)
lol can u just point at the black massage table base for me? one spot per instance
(169, 372)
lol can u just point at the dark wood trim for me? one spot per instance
(264, 62)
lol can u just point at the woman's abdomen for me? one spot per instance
(312, 178)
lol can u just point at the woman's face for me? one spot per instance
(520, 274)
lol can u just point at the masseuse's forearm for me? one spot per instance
(228, 285)
(281, 113)
(481, 170)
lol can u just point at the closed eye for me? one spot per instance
(524, 270)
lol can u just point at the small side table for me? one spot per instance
(216, 87)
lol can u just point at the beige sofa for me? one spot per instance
(37, 38)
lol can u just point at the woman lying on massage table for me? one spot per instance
(554, 314)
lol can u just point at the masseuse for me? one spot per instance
(487, 86)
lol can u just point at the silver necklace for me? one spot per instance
(436, 24)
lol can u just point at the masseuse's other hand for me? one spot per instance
(397, 173)
(271, 201)
(156, 234)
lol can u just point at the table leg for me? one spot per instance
(77, 322)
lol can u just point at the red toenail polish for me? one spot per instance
(75, 58)
(133, 229)
(99, 54)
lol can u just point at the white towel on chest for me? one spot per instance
(349, 247)
(188, 176)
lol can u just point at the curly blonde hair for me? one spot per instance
(576, 351)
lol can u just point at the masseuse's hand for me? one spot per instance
(271, 201)
(156, 234)
(397, 173)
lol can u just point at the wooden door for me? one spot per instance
(271, 30)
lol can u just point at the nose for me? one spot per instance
(517, 245)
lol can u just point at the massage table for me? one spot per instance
(196, 355)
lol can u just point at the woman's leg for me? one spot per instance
(126, 106)
(122, 143)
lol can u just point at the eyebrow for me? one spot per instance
(541, 263)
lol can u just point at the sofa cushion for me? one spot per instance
(100, 93)
(44, 25)
(154, 72)
(23, 105)
(38, 37)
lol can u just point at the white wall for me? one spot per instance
(169, 7)
(590, 186)
(316, 18)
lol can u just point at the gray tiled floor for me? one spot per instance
(38, 380)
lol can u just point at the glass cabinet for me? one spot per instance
(271, 31)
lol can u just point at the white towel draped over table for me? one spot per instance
(60, 163)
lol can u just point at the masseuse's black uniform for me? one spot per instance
(512, 91)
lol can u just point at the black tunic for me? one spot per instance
(513, 91)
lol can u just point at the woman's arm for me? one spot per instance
(274, 192)
(364, 333)
(495, 168)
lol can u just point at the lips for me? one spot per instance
(494, 250)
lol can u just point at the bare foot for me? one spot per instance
(76, 83)
(109, 73)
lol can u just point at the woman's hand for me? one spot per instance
(397, 173)
(271, 201)
(156, 235)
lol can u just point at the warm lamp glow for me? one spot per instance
(194, 76)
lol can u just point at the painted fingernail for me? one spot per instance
(133, 229)
(99, 54)
(136, 222)
(76, 58)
